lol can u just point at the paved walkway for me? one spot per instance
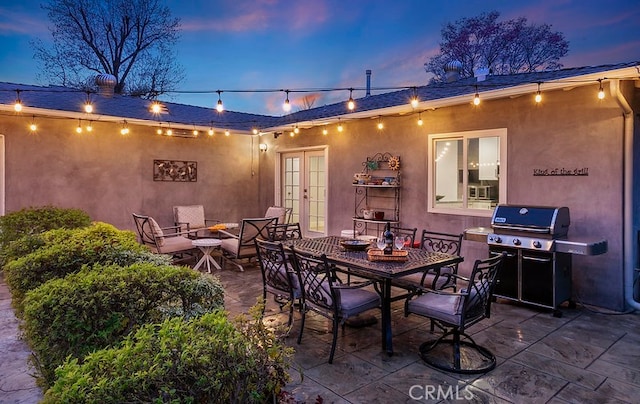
(16, 383)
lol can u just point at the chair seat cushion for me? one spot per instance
(174, 244)
(280, 281)
(355, 301)
(444, 307)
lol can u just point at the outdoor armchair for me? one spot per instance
(236, 247)
(164, 240)
(191, 217)
(457, 311)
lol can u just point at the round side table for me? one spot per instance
(207, 245)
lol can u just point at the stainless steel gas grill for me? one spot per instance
(538, 266)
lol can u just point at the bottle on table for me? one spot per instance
(388, 240)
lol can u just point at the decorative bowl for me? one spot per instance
(355, 245)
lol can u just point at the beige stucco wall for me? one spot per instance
(110, 175)
(570, 129)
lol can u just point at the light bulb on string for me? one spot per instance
(476, 97)
(156, 107)
(79, 128)
(219, 106)
(340, 128)
(125, 129)
(380, 124)
(351, 104)
(414, 100)
(296, 130)
(88, 106)
(286, 106)
(33, 126)
(210, 132)
(90, 126)
(169, 132)
(195, 133)
(325, 131)
(538, 97)
(600, 90)
(420, 119)
(227, 133)
(17, 106)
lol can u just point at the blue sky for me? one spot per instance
(304, 44)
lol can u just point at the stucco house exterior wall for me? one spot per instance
(570, 129)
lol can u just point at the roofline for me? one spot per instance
(504, 92)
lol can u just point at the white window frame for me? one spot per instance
(501, 133)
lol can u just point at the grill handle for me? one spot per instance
(530, 229)
(536, 259)
(509, 255)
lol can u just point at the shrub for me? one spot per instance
(204, 360)
(36, 220)
(65, 251)
(98, 306)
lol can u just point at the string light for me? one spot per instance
(90, 126)
(351, 104)
(195, 132)
(125, 129)
(286, 106)
(600, 90)
(414, 100)
(17, 106)
(79, 128)
(420, 119)
(219, 106)
(476, 98)
(296, 130)
(156, 107)
(325, 131)
(169, 132)
(227, 133)
(340, 128)
(380, 124)
(256, 131)
(292, 134)
(32, 126)
(88, 106)
(210, 132)
(538, 95)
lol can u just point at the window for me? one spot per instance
(464, 172)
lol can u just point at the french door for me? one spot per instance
(302, 187)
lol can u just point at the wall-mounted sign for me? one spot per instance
(177, 171)
(561, 172)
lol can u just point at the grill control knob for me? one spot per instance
(516, 241)
(495, 239)
(537, 244)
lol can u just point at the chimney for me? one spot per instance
(452, 71)
(368, 83)
(106, 84)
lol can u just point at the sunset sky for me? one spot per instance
(323, 44)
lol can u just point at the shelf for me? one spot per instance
(360, 219)
(375, 186)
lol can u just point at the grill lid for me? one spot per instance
(552, 221)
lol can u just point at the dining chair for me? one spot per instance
(191, 217)
(164, 240)
(323, 293)
(455, 312)
(283, 232)
(406, 232)
(241, 246)
(278, 276)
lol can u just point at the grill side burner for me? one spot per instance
(538, 266)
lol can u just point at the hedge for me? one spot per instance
(99, 306)
(206, 360)
(65, 251)
(36, 220)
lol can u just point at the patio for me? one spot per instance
(581, 357)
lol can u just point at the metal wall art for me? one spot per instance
(177, 171)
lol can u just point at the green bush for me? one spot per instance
(204, 360)
(99, 306)
(65, 251)
(36, 220)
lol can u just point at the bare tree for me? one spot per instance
(129, 39)
(505, 47)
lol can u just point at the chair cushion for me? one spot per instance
(175, 244)
(444, 307)
(193, 214)
(282, 276)
(276, 211)
(230, 245)
(157, 231)
(356, 301)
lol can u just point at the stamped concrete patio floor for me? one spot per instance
(582, 357)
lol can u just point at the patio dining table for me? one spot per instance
(384, 272)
